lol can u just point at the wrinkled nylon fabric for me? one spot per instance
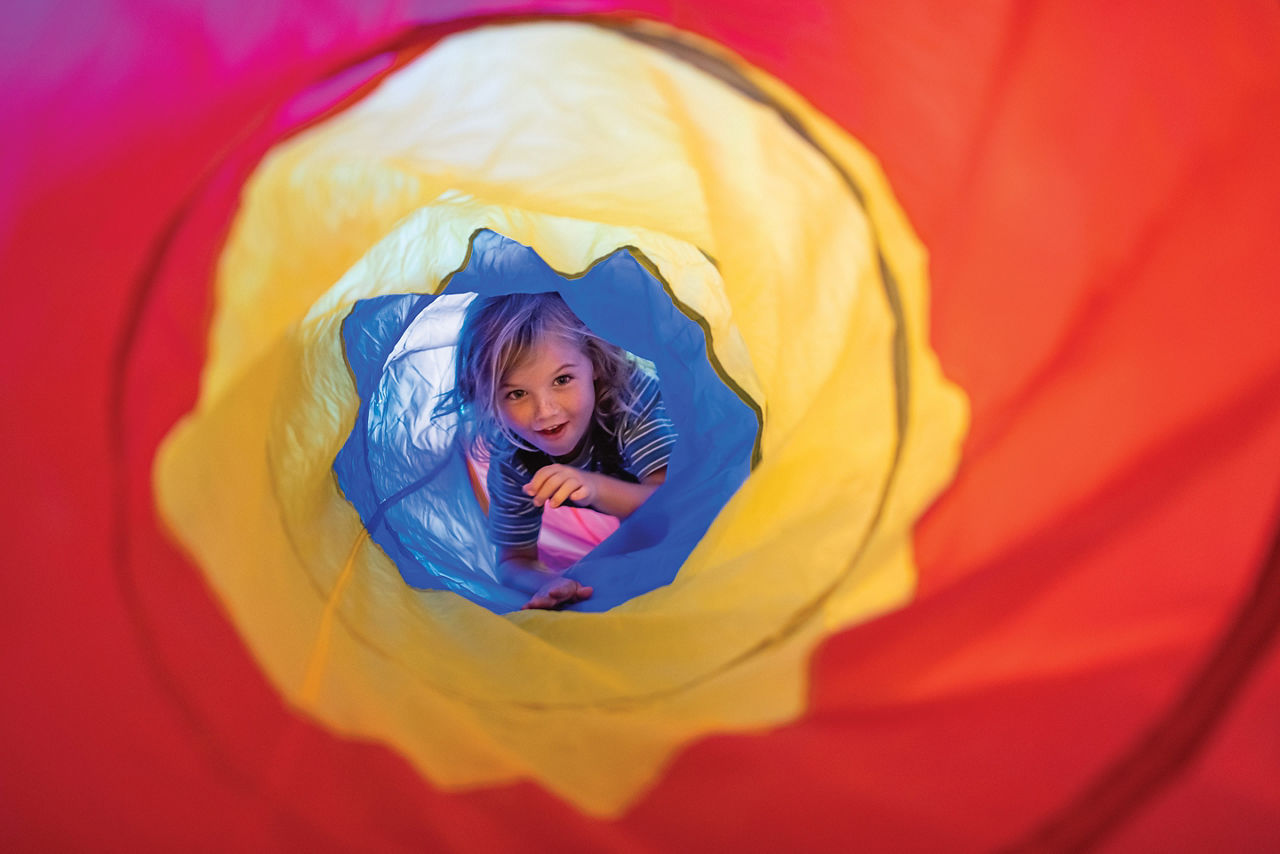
(1096, 187)
(621, 167)
(406, 472)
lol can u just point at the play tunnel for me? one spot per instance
(967, 541)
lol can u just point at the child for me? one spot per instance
(564, 417)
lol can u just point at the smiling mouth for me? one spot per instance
(552, 432)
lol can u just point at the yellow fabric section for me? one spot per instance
(574, 140)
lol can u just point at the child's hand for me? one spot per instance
(555, 484)
(558, 591)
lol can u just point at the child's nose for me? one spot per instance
(547, 405)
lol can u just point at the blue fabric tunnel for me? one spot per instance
(406, 474)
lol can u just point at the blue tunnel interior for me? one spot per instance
(406, 472)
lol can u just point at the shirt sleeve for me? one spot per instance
(514, 521)
(647, 435)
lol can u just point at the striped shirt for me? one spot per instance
(641, 446)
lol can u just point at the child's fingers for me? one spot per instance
(535, 482)
(546, 598)
(543, 484)
(546, 491)
(542, 475)
(563, 592)
(556, 488)
(576, 593)
(563, 491)
(537, 490)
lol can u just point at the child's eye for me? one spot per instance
(515, 394)
(563, 379)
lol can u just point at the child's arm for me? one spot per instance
(555, 484)
(520, 568)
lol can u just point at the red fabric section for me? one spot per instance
(1098, 190)
(1228, 799)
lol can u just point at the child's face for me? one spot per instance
(549, 396)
